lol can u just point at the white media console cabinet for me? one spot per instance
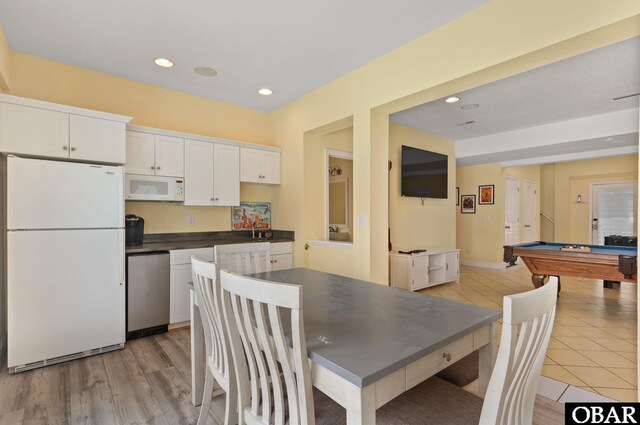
(424, 269)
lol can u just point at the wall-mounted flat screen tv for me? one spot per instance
(424, 173)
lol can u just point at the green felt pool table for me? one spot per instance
(544, 259)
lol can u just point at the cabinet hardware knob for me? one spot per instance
(157, 168)
(73, 149)
(446, 356)
(217, 199)
(153, 168)
(212, 199)
(64, 148)
(507, 227)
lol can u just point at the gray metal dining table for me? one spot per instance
(369, 343)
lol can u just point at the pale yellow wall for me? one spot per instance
(480, 236)
(320, 257)
(346, 165)
(496, 40)
(4, 62)
(573, 178)
(547, 202)
(531, 172)
(413, 225)
(154, 107)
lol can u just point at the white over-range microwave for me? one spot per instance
(153, 188)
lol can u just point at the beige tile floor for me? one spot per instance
(594, 338)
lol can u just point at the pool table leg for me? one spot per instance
(540, 279)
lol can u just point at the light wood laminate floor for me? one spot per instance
(146, 383)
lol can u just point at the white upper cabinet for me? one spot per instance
(212, 174)
(169, 153)
(271, 167)
(198, 178)
(95, 139)
(34, 131)
(259, 166)
(43, 129)
(226, 175)
(140, 153)
(154, 154)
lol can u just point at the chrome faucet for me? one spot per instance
(253, 230)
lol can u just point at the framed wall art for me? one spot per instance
(468, 204)
(486, 194)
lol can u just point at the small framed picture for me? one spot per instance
(468, 204)
(485, 194)
(457, 196)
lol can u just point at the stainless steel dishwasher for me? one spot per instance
(147, 294)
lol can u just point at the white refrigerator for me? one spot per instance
(65, 261)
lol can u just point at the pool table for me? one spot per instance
(544, 259)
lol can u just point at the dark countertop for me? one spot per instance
(169, 241)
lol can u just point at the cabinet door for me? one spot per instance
(226, 175)
(271, 167)
(33, 131)
(419, 272)
(451, 267)
(198, 176)
(140, 153)
(281, 262)
(179, 301)
(250, 165)
(95, 139)
(169, 153)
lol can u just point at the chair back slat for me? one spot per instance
(268, 367)
(243, 259)
(514, 381)
(208, 293)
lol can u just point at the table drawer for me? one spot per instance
(433, 363)
(183, 256)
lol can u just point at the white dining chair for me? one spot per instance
(218, 357)
(274, 380)
(526, 330)
(243, 259)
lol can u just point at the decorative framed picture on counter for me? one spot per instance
(251, 214)
(468, 204)
(485, 193)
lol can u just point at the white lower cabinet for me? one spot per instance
(180, 261)
(421, 270)
(281, 254)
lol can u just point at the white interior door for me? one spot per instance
(613, 210)
(530, 211)
(511, 211)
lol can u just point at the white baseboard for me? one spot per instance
(484, 264)
(3, 351)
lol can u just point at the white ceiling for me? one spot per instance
(290, 46)
(577, 87)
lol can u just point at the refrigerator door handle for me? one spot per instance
(121, 256)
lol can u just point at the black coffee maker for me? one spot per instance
(134, 229)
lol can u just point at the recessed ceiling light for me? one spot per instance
(164, 62)
(265, 91)
(452, 99)
(205, 71)
(470, 106)
(466, 123)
